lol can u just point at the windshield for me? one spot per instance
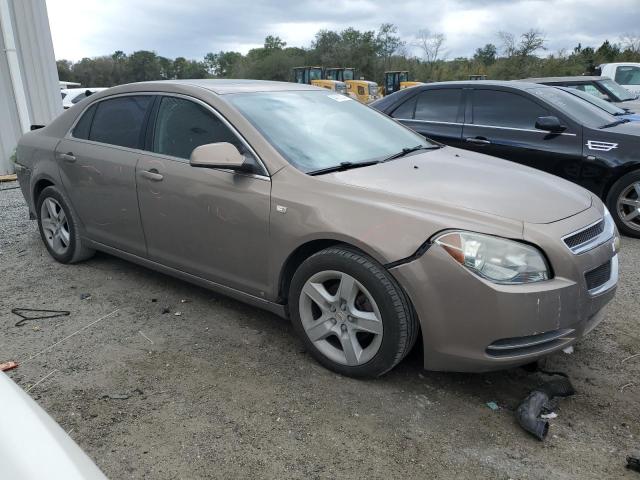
(584, 113)
(598, 102)
(315, 130)
(617, 90)
(404, 76)
(348, 74)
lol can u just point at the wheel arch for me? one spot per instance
(621, 172)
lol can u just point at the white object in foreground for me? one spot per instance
(33, 446)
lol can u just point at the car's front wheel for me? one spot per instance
(350, 312)
(58, 228)
(623, 202)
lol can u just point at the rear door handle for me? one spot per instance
(478, 141)
(67, 157)
(152, 175)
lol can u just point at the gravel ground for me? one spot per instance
(224, 390)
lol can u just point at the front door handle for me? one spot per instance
(152, 175)
(478, 140)
(67, 157)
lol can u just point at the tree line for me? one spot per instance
(370, 52)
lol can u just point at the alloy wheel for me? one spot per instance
(628, 206)
(341, 318)
(55, 226)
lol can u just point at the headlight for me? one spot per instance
(496, 259)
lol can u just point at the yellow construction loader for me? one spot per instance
(397, 80)
(315, 76)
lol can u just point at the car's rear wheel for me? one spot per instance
(623, 202)
(58, 228)
(350, 312)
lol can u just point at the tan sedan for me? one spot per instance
(268, 193)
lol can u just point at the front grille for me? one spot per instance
(598, 276)
(582, 237)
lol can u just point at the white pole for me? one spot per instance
(14, 66)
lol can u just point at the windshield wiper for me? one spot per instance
(617, 122)
(343, 166)
(408, 150)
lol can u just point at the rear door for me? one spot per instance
(435, 113)
(208, 222)
(97, 161)
(502, 124)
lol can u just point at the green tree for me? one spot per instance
(486, 55)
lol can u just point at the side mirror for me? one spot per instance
(217, 155)
(550, 124)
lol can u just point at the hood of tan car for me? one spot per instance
(474, 182)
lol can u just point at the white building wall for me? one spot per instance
(37, 76)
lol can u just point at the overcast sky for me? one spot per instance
(191, 28)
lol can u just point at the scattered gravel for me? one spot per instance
(225, 391)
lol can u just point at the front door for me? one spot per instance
(97, 165)
(503, 125)
(207, 222)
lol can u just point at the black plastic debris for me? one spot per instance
(528, 412)
(27, 314)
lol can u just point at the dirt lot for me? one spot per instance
(225, 391)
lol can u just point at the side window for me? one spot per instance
(628, 75)
(505, 109)
(405, 110)
(119, 121)
(591, 90)
(441, 105)
(82, 128)
(182, 125)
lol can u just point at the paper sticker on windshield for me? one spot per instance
(339, 98)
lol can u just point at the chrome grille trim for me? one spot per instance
(591, 236)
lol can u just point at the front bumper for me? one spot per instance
(470, 324)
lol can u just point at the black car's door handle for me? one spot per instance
(152, 175)
(67, 157)
(478, 140)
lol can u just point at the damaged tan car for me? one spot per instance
(266, 192)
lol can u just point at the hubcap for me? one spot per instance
(55, 226)
(341, 318)
(629, 206)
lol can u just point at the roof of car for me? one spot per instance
(521, 85)
(581, 78)
(225, 86)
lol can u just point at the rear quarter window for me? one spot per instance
(119, 121)
(82, 128)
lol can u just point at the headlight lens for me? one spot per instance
(496, 259)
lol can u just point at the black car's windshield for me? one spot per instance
(584, 113)
(598, 102)
(617, 90)
(316, 130)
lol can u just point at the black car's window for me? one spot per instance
(505, 109)
(119, 121)
(580, 111)
(591, 90)
(81, 130)
(439, 105)
(182, 125)
(80, 96)
(406, 109)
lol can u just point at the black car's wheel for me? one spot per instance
(58, 228)
(623, 202)
(350, 312)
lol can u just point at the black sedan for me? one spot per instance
(536, 125)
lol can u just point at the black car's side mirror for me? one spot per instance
(550, 124)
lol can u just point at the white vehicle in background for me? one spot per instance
(33, 446)
(626, 74)
(71, 96)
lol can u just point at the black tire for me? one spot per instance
(618, 189)
(398, 318)
(76, 250)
